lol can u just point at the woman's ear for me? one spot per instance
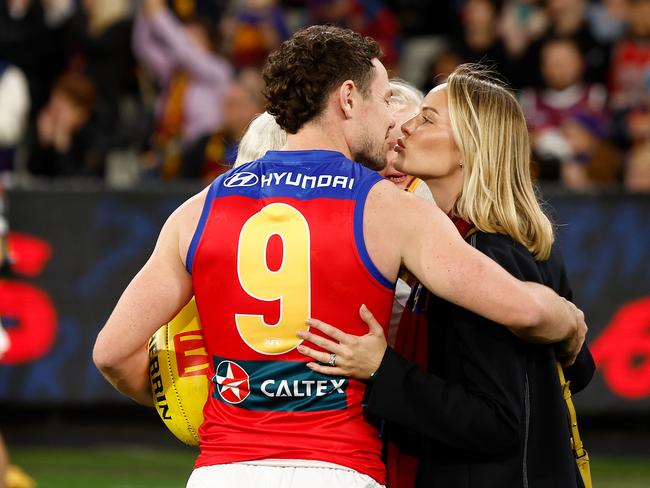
(346, 99)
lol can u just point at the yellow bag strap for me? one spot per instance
(576, 442)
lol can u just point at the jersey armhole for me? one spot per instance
(359, 239)
(196, 238)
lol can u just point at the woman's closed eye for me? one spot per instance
(425, 119)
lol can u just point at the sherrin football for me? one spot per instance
(178, 370)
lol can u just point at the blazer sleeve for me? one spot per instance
(582, 371)
(554, 275)
(481, 414)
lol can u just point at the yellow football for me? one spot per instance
(178, 370)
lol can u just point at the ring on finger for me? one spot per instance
(332, 360)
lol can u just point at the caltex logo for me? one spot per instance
(241, 179)
(232, 382)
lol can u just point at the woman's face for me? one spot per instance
(427, 148)
(400, 179)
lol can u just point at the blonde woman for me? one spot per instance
(486, 408)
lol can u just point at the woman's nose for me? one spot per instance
(407, 127)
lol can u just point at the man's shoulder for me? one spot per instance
(398, 211)
(185, 220)
(187, 215)
(395, 199)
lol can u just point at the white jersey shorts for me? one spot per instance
(272, 474)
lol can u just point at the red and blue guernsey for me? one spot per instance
(281, 240)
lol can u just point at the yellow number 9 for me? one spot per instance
(290, 283)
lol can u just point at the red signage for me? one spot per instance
(622, 351)
(27, 311)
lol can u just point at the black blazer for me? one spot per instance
(489, 413)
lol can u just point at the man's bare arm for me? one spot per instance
(154, 296)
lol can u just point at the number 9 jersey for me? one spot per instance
(280, 240)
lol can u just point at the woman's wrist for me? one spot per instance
(371, 379)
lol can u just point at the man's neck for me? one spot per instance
(317, 136)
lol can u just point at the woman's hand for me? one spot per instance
(355, 356)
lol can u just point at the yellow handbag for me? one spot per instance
(579, 451)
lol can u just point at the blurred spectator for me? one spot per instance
(100, 46)
(441, 66)
(210, 9)
(31, 38)
(243, 102)
(630, 71)
(481, 41)
(418, 18)
(193, 78)
(14, 109)
(637, 120)
(65, 131)
(637, 174)
(593, 162)
(368, 17)
(522, 23)
(254, 29)
(608, 19)
(564, 94)
(425, 29)
(568, 18)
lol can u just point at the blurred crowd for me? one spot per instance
(124, 91)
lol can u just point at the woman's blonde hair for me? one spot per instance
(263, 134)
(490, 131)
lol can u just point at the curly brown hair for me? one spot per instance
(304, 70)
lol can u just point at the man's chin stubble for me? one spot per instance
(372, 162)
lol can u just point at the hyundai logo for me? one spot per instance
(241, 179)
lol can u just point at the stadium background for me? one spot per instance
(84, 216)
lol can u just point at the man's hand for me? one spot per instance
(568, 349)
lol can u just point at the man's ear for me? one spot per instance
(346, 99)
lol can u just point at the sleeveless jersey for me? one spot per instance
(281, 240)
